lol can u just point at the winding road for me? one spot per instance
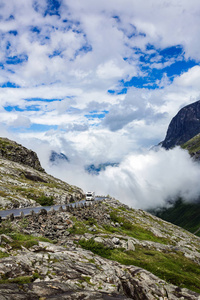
(26, 210)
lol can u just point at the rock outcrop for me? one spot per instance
(184, 126)
(15, 152)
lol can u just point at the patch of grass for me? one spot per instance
(91, 221)
(81, 227)
(24, 223)
(85, 279)
(78, 228)
(3, 194)
(193, 145)
(95, 247)
(22, 240)
(19, 280)
(35, 276)
(2, 254)
(44, 239)
(129, 228)
(36, 195)
(5, 227)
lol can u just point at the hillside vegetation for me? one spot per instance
(193, 146)
(184, 214)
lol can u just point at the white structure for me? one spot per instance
(90, 196)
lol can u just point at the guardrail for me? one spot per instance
(21, 213)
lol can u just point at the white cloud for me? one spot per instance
(189, 79)
(141, 180)
(20, 121)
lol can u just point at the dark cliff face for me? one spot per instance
(184, 126)
(15, 152)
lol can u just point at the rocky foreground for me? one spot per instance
(97, 252)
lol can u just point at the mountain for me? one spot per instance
(56, 158)
(23, 182)
(184, 126)
(96, 169)
(104, 251)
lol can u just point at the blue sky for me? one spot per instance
(101, 67)
(96, 80)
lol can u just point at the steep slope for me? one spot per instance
(23, 181)
(184, 126)
(99, 252)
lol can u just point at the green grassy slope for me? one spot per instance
(193, 145)
(185, 215)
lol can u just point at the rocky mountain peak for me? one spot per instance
(15, 152)
(184, 126)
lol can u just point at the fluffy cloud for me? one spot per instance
(143, 180)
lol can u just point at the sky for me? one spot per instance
(100, 81)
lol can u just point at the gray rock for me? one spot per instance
(115, 240)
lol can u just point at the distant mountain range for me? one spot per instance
(93, 169)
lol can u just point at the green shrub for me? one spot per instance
(95, 247)
(91, 221)
(45, 200)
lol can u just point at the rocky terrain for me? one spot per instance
(101, 251)
(24, 183)
(184, 126)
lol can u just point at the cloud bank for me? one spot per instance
(146, 180)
